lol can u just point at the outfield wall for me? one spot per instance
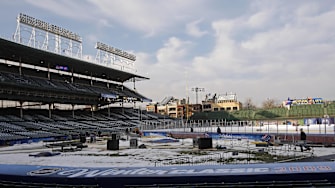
(134, 176)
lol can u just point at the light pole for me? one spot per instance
(196, 90)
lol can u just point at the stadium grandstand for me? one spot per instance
(48, 94)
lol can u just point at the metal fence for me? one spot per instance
(273, 127)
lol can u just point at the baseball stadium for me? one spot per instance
(68, 120)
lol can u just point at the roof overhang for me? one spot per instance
(21, 53)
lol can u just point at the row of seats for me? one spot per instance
(9, 136)
(37, 125)
(115, 89)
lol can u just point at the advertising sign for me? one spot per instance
(303, 101)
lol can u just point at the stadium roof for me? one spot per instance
(21, 53)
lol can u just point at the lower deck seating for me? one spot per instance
(35, 124)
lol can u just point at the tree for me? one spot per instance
(249, 104)
(269, 103)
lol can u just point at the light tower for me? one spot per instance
(196, 90)
(49, 37)
(114, 57)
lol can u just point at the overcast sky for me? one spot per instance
(256, 49)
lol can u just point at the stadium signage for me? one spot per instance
(304, 101)
(89, 173)
(115, 51)
(61, 67)
(227, 97)
(31, 21)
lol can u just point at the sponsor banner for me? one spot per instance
(227, 97)
(252, 169)
(134, 176)
(303, 101)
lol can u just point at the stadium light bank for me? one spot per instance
(115, 57)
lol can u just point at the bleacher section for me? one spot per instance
(316, 110)
(295, 112)
(330, 109)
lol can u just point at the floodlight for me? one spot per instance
(33, 22)
(115, 51)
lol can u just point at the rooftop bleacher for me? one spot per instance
(295, 112)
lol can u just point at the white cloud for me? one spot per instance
(260, 19)
(194, 30)
(150, 17)
(104, 23)
(174, 50)
(291, 58)
(76, 10)
(166, 70)
(308, 9)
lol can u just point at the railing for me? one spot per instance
(265, 127)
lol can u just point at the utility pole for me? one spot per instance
(196, 90)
